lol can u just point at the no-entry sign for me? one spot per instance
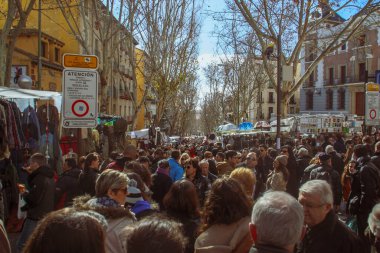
(80, 90)
(372, 105)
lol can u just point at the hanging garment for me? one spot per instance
(30, 123)
(18, 117)
(42, 114)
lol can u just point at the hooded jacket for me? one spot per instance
(67, 184)
(40, 198)
(118, 218)
(223, 238)
(87, 180)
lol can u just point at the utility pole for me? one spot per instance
(279, 82)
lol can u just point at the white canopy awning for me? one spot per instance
(6, 92)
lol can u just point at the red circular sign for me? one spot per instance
(80, 114)
(372, 113)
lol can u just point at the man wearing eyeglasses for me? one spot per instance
(264, 165)
(325, 232)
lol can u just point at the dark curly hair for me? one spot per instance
(182, 200)
(226, 203)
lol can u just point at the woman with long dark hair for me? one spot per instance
(279, 176)
(225, 219)
(182, 204)
(294, 175)
(193, 173)
(88, 176)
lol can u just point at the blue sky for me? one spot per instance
(207, 43)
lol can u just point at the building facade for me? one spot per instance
(337, 84)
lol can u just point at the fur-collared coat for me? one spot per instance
(118, 219)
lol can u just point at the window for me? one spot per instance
(271, 99)
(44, 49)
(343, 47)
(361, 40)
(341, 99)
(292, 111)
(311, 79)
(343, 74)
(331, 76)
(362, 72)
(309, 100)
(120, 108)
(57, 55)
(125, 111)
(270, 111)
(329, 99)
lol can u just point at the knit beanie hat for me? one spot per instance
(134, 194)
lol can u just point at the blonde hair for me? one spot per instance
(110, 180)
(247, 179)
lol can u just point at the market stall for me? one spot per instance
(25, 128)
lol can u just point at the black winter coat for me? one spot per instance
(353, 201)
(375, 159)
(161, 184)
(67, 184)
(337, 163)
(335, 183)
(302, 164)
(369, 185)
(306, 173)
(87, 180)
(40, 198)
(330, 236)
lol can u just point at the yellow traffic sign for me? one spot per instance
(80, 61)
(373, 87)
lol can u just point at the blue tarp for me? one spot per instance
(246, 126)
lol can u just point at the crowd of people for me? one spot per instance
(207, 198)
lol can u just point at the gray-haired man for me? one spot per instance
(325, 232)
(277, 223)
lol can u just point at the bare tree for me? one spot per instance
(182, 108)
(168, 32)
(16, 15)
(293, 21)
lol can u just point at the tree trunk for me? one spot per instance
(4, 40)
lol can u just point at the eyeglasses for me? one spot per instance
(284, 151)
(124, 190)
(310, 206)
(262, 150)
